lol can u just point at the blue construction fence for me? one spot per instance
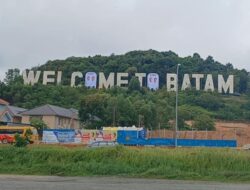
(138, 138)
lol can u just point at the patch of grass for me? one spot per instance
(193, 163)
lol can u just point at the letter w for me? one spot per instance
(31, 78)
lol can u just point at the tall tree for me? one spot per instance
(11, 75)
(134, 84)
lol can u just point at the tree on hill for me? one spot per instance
(134, 84)
(203, 122)
(93, 109)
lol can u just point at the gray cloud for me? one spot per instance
(32, 32)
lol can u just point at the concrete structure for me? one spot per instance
(55, 117)
(10, 113)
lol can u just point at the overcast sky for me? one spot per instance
(34, 31)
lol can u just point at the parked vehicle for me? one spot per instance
(8, 132)
(98, 144)
(5, 139)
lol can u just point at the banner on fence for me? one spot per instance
(78, 136)
(59, 136)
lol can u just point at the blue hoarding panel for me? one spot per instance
(132, 138)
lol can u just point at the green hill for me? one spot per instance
(147, 62)
(130, 106)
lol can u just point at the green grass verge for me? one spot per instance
(193, 163)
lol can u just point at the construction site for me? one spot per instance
(239, 131)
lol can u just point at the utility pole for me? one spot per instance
(139, 121)
(114, 116)
(176, 107)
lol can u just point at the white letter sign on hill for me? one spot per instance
(186, 82)
(140, 77)
(171, 82)
(106, 83)
(209, 85)
(46, 78)
(198, 78)
(73, 78)
(225, 86)
(59, 77)
(90, 79)
(153, 81)
(122, 82)
(31, 79)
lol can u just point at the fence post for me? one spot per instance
(206, 133)
(235, 134)
(137, 136)
(159, 125)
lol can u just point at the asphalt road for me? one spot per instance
(108, 183)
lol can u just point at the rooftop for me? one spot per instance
(3, 102)
(15, 111)
(50, 110)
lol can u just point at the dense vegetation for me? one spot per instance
(198, 163)
(147, 62)
(135, 105)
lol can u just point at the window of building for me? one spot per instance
(38, 117)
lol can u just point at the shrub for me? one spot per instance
(204, 122)
(20, 141)
(209, 101)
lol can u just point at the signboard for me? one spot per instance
(69, 136)
(153, 81)
(59, 136)
(122, 80)
(90, 80)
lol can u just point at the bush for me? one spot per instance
(20, 141)
(230, 112)
(209, 101)
(192, 111)
(203, 122)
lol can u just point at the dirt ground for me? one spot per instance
(224, 130)
(241, 131)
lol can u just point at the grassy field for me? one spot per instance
(192, 163)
